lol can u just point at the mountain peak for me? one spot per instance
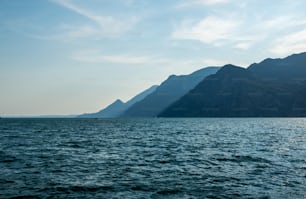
(205, 70)
(230, 69)
(172, 77)
(230, 66)
(118, 101)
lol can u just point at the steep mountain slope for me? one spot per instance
(167, 93)
(118, 107)
(112, 110)
(272, 88)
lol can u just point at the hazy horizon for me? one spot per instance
(67, 57)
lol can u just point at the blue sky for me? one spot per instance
(75, 56)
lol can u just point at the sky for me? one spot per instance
(74, 56)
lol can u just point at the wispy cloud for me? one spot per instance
(95, 56)
(102, 20)
(209, 30)
(243, 45)
(191, 3)
(235, 31)
(291, 43)
(101, 25)
(214, 62)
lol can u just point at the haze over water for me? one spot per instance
(153, 158)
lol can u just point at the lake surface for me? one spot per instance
(153, 158)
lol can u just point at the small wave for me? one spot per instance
(73, 145)
(5, 158)
(169, 191)
(141, 187)
(8, 160)
(79, 188)
(243, 158)
(25, 197)
(2, 181)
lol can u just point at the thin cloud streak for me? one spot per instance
(96, 56)
(235, 32)
(104, 26)
(192, 3)
(102, 20)
(209, 30)
(115, 59)
(291, 43)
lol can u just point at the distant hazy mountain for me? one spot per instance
(167, 93)
(118, 107)
(272, 88)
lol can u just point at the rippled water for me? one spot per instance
(153, 158)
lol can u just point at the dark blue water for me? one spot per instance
(153, 158)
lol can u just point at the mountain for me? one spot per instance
(272, 88)
(168, 92)
(112, 110)
(118, 107)
(140, 96)
(292, 68)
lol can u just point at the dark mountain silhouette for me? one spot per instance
(292, 68)
(168, 92)
(272, 88)
(118, 107)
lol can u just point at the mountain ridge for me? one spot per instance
(267, 89)
(116, 108)
(170, 90)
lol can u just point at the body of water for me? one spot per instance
(153, 158)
